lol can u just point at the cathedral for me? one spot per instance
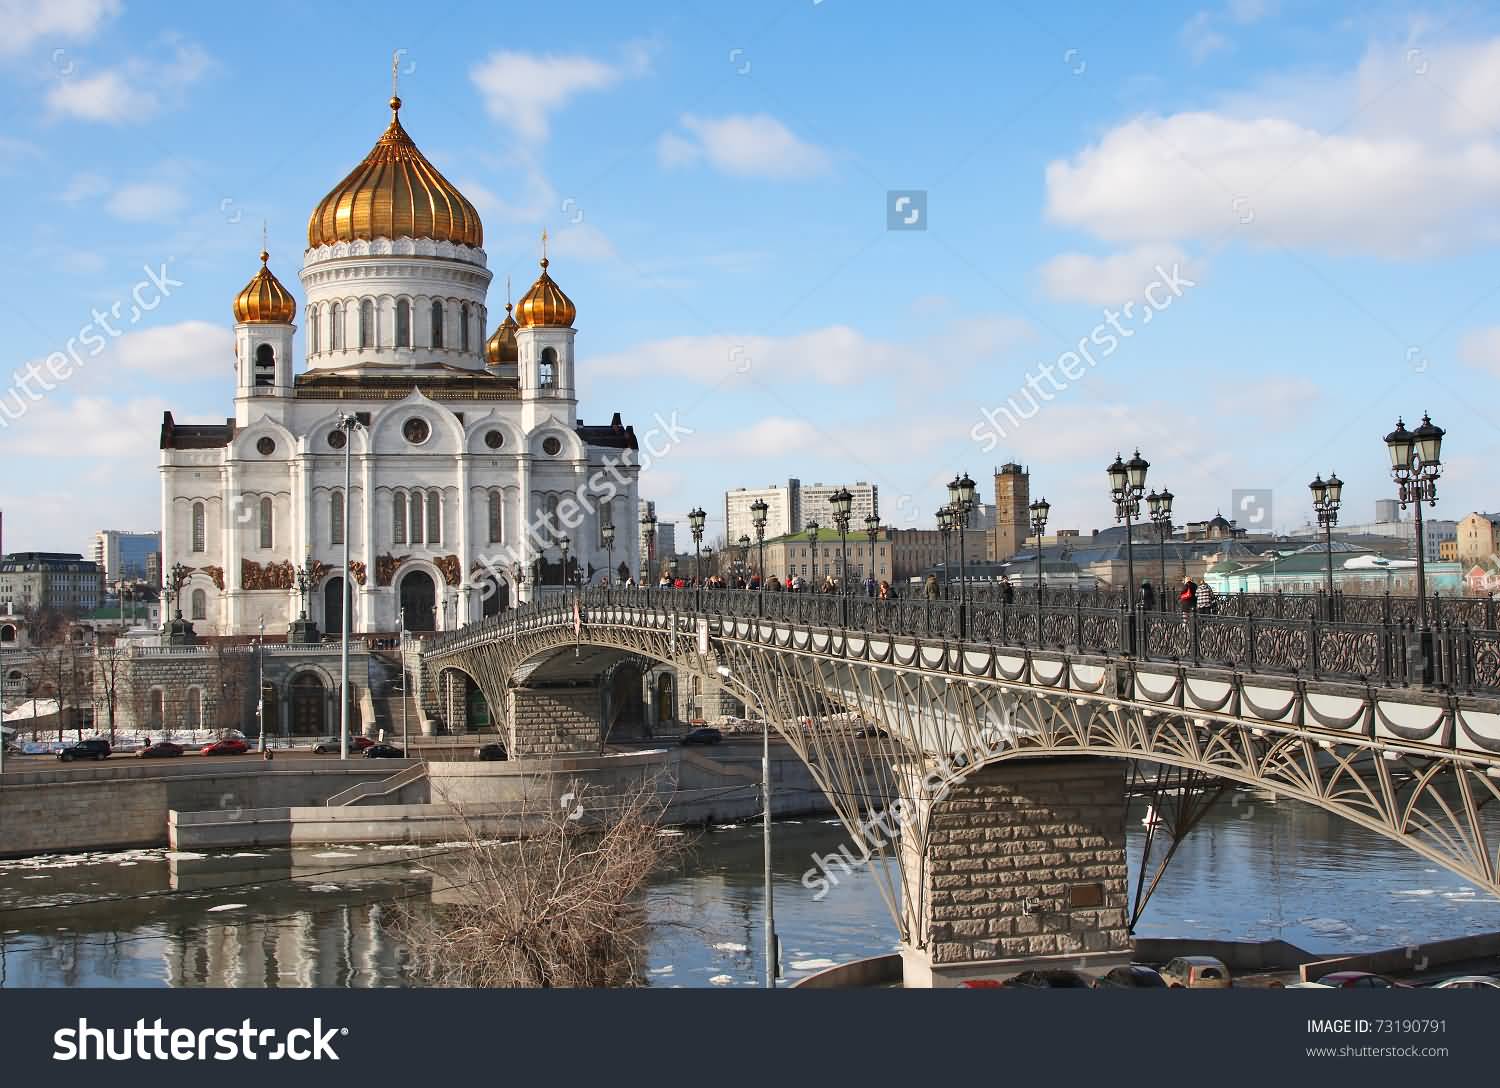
(471, 479)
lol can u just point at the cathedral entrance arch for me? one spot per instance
(419, 601)
(309, 705)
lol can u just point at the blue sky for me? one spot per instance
(716, 178)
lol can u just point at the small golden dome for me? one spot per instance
(264, 301)
(545, 305)
(501, 347)
(395, 193)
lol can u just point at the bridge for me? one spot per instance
(981, 753)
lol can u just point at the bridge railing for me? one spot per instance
(1388, 652)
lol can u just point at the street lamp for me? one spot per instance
(1416, 463)
(696, 518)
(1326, 495)
(961, 499)
(872, 529)
(758, 510)
(945, 526)
(744, 543)
(1127, 484)
(812, 542)
(607, 531)
(348, 423)
(843, 503)
(565, 543)
(1160, 504)
(649, 524)
(1039, 511)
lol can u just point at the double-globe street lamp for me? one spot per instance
(696, 519)
(744, 545)
(1326, 500)
(1159, 503)
(607, 531)
(648, 524)
(565, 542)
(1416, 463)
(1039, 511)
(812, 541)
(843, 503)
(945, 528)
(1127, 485)
(961, 502)
(758, 510)
(872, 530)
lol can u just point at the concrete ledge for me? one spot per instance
(1408, 957)
(872, 971)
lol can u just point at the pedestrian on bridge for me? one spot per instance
(870, 585)
(1148, 597)
(1188, 598)
(931, 588)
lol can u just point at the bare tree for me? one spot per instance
(559, 907)
(234, 674)
(110, 665)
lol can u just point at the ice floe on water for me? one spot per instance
(1325, 927)
(812, 965)
(248, 854)
(1416, 891)
(722, 980)
(730, 946)
(335, 854)
(183, 855)
(728, 827)
(226, 906)
(323, 888)
(670, 831)
(665, 970)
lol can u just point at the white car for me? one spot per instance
(1468, 982)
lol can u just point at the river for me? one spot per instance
(1254, 869)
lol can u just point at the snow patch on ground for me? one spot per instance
(323, 888)
(722, 980)
(226, 906)
(730, 946)
(335, 854)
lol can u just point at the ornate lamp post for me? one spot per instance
(649, 524)
(1039, 511)
(1127, 484)
(961, 499)
(843, 503)
(304, 631)
(1416, 463)
(518, 577)
(696, 518)
(744, 545)
(812, 542)
(565, 543)
(348, 423)
(1326, 500)
(1160, 506)
(758, 510)
(872, 530)
(608, 533)
(945, 526)
(468, 592)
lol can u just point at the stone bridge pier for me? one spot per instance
(1024, 869)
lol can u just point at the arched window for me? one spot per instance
(312, 330)
(437, 324)
(497, 517)
(336, 326)
(336, 518)
(398, 517)
(434, 517)
(403, 324)
(200, 605)
(463, 327)
(267, 527)
(192, 712)
(199, 543)
(367, 324)
(547, 371)
(416, 517)
(265, 365)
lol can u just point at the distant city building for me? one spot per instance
(665, 545)
(124, 556)
(1474, 537)
(1434, 530)
(1387, 510)
(1011, 523)
(793, 555)
(1448, 549)
(817, 504)
(65, 581)
(783, 512)
(1217, 527)
(153, 569)
(1354, 571)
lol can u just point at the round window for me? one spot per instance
(494, 439)
(337, 439)
(416, 430)
(267, 446)
(551, 445)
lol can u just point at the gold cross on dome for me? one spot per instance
(395, 70)
(544, 243)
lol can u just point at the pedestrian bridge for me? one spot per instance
(920, 706)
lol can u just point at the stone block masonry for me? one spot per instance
(552, 721)
(1026, 868)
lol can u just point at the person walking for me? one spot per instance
(870, 585)
(1148, 597)
(931, 588)
(1188, 598)
(1007, 591)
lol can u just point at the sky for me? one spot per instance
(827, 239)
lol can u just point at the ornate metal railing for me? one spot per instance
(1388, 651)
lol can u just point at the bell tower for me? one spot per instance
(263, 331)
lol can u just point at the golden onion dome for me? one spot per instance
(264, 301)
(545, 305)
(395, 193)
(501, 347)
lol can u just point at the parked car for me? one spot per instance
(227, 746)
(384, 751)
(159, 749)
(1468, 982)
(357, 743)
(1135, 976)
(871, 731)
(490, 751)
(703, 735)
(1050, 980)
(1359, 980)
(1196, 973)
(98, 748)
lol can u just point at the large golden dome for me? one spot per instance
(501, 346)
(395, 193)
(264, 301)
(545, 305)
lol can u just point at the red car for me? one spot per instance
(1360, 980)
(159, 749)
(356, 744)
(229, 746)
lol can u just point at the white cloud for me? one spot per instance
(134, 92)
(27, 21)
(583, 242)
(145, 201)
(523, 90)
(1481, 348)
(84, 186)
(1200, 38)
(1111, 279)
(95, 426)
(745, 145)
(186, 351)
